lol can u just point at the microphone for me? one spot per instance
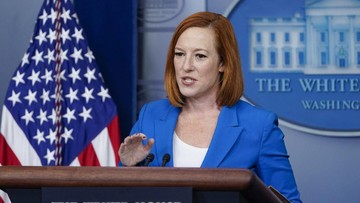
(149, 158)
(166, 159)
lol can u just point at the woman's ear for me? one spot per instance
(221, 67)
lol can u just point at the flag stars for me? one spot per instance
(18, 78)
(72, 95)
(28, 117)
(51, 136)
(52, 35)
(43, 17)
(14, 98)
(76, 18)
(85, 114)
(65, 15)
(31, 97)
(25, 59)
(39, 136)
(47, 76)
(50, 56)
(42, 116)
(67, 135)
(55, 105)
(41, 37)
(88, 94)
(63, 55)
(38, 57)
(90, 55)
(60, 96)
(45, 96)
(34, 77)
(104, 93)
(101, 77)
(90, 75)
(65, 35)
(74, 75)
(53, 116)
(77, 55)
(78, 35)
(50, 156)
(69, 115)
(52, 15)
(61, 76)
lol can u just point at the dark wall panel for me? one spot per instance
(110, 27)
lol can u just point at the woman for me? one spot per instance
(203, 122)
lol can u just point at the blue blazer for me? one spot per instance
(245, 137)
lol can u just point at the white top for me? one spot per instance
(186, 155)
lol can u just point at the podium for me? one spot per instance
(201, 180)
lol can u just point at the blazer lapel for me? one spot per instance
(164, 130)
(225, 135)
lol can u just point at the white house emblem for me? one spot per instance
(302, 61)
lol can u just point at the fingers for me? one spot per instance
(121, 149)
(135, 138)
(127, 140)
(149, 144)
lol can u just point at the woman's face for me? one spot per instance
(197, 64)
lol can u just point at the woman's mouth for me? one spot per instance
(188, 80)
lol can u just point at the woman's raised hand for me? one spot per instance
(132, 151)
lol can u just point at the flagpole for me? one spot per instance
(58, 149)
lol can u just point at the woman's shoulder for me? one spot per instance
(245, 105)
(157, 107)
(248, 110)
(160, 103)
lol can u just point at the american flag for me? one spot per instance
(57, 109)
(4, 198)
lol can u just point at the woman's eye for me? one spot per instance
(200, 56)
(179, 54)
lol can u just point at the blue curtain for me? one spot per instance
(111, 30)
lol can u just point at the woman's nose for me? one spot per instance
(188, 64)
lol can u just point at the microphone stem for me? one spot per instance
(166, 159)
